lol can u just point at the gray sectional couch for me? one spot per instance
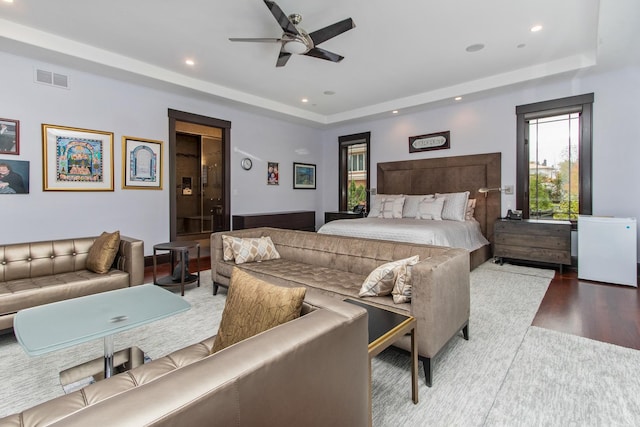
(311, 371)
(337, 266)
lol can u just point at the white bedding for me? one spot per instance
(455, 234)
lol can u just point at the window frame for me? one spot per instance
(344, 142)
(580, 103)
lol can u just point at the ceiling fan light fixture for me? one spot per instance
(295, 47)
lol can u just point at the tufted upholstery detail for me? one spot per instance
(38, 273)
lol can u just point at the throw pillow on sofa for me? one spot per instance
(250, 249)
(402, 287)
(103, 252)
(254, 306)
(380, 281)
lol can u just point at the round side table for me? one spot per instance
(181, 249)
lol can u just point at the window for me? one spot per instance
(554, 158)
(354, 167)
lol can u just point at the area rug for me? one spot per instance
(566, 380)
(468, 375)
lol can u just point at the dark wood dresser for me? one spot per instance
(293, 220)
(332, 216)
(533, 240)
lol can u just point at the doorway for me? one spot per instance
(199, 177)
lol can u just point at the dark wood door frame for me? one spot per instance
(181, 116)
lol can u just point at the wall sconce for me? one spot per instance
(487, 190)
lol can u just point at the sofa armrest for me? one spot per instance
(440, 298)
(130, 258)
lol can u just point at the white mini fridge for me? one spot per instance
(607, 250)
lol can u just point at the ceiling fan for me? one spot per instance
(297, 41)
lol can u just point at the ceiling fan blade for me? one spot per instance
(331, 31)
(283, 58)
(259, 40)
(316, 52)
(282, 18)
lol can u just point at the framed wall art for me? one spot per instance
(9, 136)
(304, 176)
(431, 141)
(76, 159)
(141, 164)
(14, 177)
(272, 173)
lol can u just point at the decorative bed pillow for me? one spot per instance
(381, 280)
(455, 205)
(471, 208)
(253, 249)
(402, 287)
(391, 208)
(254, 306)
(103, 252)
(430, 208)
(377, 200)
(410, 208)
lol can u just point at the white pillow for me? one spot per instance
(377, 200)
(391, 208)
(455, 205)
(410, 208)
(381, 280)
(430, 209)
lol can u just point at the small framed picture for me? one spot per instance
(77, 159)
(304, 176)
(431, 141)
(14, 177)
(141, 164)
(9, 136)
(272, 173)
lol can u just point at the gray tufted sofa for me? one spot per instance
(337, 266)
(39, 273)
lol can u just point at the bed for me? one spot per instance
(447, 175)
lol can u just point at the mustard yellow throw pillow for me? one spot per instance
(103, 252)
(254, 306)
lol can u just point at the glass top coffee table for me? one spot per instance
(62, 324)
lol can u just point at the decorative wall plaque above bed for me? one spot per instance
(431, 141)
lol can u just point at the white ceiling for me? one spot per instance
(401, 55)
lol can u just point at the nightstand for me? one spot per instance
(332, 216)
(533, 240)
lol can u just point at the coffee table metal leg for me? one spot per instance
(414, 366)
(108, 356)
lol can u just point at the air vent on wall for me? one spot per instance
(52, 79)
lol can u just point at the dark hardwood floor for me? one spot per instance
(603, 312)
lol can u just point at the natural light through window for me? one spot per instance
(357, 175)
(554, 183)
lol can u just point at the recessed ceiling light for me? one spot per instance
(304, 100)
(475, 47)
(189, 62)
(536, 28)
(457, 98)
(394, 112)
(8, 1)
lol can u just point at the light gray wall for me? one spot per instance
(98, 103)
(479, 124)
(488, 124)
